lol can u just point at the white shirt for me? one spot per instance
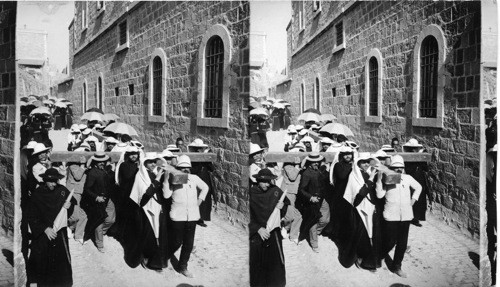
(398, 198)
(254, 170)
(185, 198)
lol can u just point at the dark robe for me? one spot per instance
(69, 118)
(340, 209)
(58, 118)
(287, 118)
(139, 239)
(312, 183)
(370, 252)
(203, 170)
(276, 117)
(263, 127)
(50, 260)
(126, 209)
(98, 183)
(418, 171)
(267, 266)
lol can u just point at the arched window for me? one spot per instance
(374, 71)
(373, 79)
(214, 76)
(317, 98)
(157, 86)
(428, 77)
(214, 56)
(99, 93)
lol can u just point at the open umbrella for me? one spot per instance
(33, 98)
(41, 110)
(259, 111)
(271, 100)
(308, 117)
(278, 106)
(62, 217)
(97, 110)
(121, 128)
(48, 102)
(327, 117)
(312, 110)
(110, 117)
(35, 103)
(337, 128)
(266, 103)
(60, 105)
(93, 116)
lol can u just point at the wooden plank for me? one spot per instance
(72, 156)
(290, 156)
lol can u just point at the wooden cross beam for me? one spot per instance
(72, 156)
(290, 156)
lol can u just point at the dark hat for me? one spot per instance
(265, 175)
(51, 174)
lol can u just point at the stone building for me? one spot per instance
(406, 69)
(169, 69)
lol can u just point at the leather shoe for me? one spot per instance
(416, 223)
(400, 273)
(186, 273)
(201, 223)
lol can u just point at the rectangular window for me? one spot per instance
(214, 77)
(347, 90)
(5, 80)
(131, 89)
(84, 15)
(117, 92)
(339, 30)
(6, 35)
(123, 32)
(334, 92)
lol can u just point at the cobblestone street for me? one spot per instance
(6, 260)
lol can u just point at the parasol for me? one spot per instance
(259, 111)
(60, 105)
(41, 110)
(327, 117)
(110, 117)
(93, 116)
(337, 128)
(121, 128)
(308, 117)
(278, 106)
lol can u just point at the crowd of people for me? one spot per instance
(364, 202)
(150, 202)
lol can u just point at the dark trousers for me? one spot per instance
(183, 234)
(396, 233)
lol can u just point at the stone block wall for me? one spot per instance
(30, 85)
(177, 28)
(393, 28)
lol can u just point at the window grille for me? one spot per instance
(428, 77)
(99, 91)
(373, 82)
(348, 90)
(157, 86)
(214, 76)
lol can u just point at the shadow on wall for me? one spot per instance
(474, 258)
(9, 256)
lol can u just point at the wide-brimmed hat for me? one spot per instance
(312, 157)
(198, 143)
(303, 132)
(364, 156)
(131, 149)
(86, 131)
(30, 145)
(412, 143)
(388, 148)
(99, 156)
(167, 154)
(345, 149)
(173, 148)
(74, 128)
(51, 174)
(300, 146)
(92, 139)
(307, 139)
(183, 161)
(381, 154)
(255, 148)
(397, 161)
(82, 127)
(151, 156)
(352, 144)
(97, 126)
(314, 126)
(137, 144)
(264, 175)
(291, 129)
(299, 127)
(111, 140)
(326, 140)
(39, 148)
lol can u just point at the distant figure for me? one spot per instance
(179, 143)
(395, 144)
(418, 170)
